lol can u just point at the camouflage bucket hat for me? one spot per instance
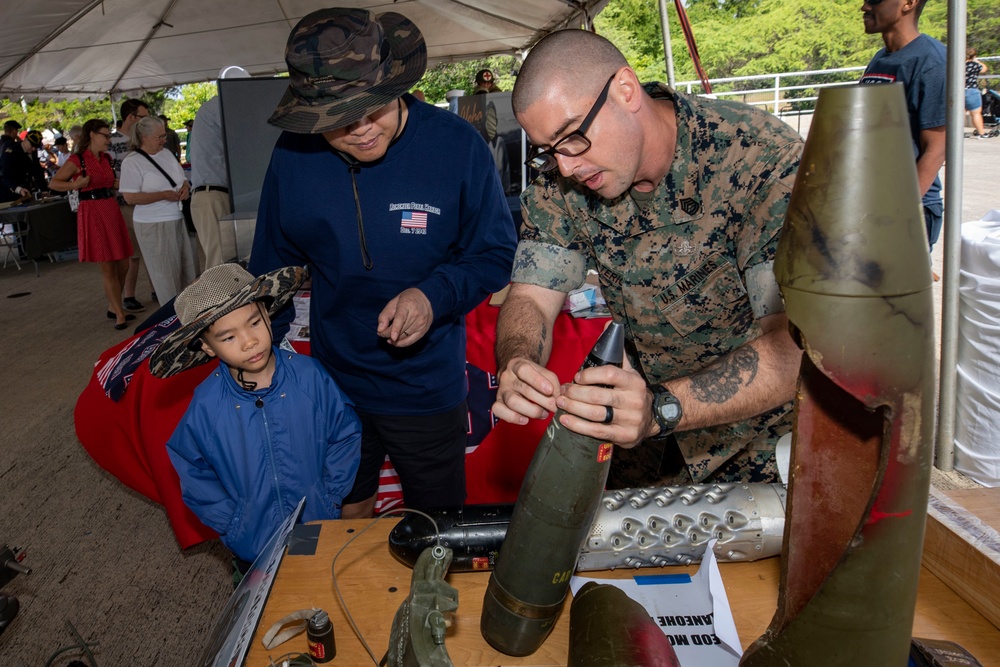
(344, 64)
(217, 292)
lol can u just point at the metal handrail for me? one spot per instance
(778, 93)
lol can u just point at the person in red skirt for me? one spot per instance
(100, 228)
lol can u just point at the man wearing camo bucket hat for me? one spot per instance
(397, 208)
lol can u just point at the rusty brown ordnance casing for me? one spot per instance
(607, 628)
(855, 276)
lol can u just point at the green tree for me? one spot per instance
(748, 37)
(731, 8)
(190, 98)
(983, 25)
(57, 116)
(634, 27)
(438, 80)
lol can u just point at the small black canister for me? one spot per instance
(319, 634)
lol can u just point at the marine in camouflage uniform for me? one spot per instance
(673, 266)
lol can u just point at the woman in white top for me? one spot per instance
(152, 180)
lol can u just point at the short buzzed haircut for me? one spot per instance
(564, 55)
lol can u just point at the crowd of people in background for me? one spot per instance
(118, 181)
(51, 150)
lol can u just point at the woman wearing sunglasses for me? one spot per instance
(100, 228)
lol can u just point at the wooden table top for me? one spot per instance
(374, 584)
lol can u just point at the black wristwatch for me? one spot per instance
(666, 410)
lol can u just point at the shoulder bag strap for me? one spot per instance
(155, 164)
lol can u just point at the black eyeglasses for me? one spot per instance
(574, 144)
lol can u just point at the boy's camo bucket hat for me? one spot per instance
(217, 292)
(345, 63)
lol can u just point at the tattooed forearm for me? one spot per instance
(525, 324)
(720, 382)
(540, 352)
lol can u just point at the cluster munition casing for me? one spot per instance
(649, 527)
(553, 514)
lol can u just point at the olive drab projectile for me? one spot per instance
(553, 514)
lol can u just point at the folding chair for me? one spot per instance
(10, 244)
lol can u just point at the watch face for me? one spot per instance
(670, 411)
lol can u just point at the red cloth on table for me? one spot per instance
(128, 438)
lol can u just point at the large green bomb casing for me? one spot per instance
(607, 628)
(555, 508)
(854, 272)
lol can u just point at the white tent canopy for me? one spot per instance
(82, 48)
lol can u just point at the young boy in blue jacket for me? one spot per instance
(267, 427)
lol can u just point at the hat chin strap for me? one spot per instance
(399, 122)
(249, 385)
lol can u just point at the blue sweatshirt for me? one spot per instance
(435, 218)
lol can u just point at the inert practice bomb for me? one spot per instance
(474, 533)
(554, 512)
(853, 270)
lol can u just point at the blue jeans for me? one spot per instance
(934, 221)
(973, 99)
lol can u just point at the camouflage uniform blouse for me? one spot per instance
(673, 264)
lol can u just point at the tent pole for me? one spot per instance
(667, 51)
(142, 47)
(945, 454)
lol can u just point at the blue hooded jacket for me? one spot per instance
(246, 458)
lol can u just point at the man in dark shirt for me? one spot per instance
(917, 61)
(20, 171)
